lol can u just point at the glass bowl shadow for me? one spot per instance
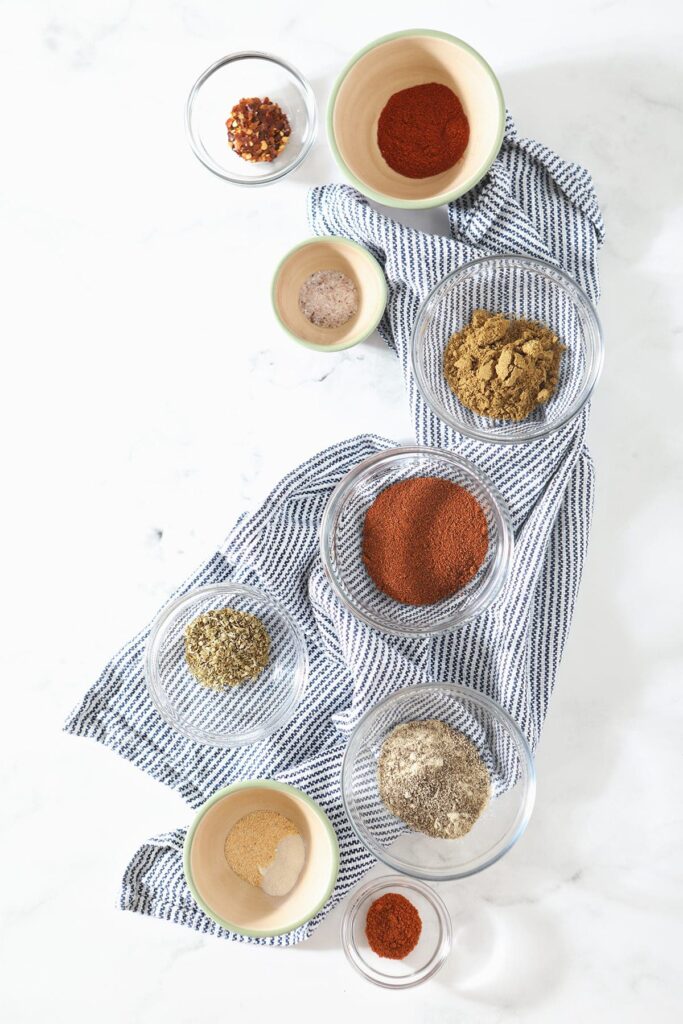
(517, 286)
(504, 751)
(341, 540)
(241, 714)
(224, 84)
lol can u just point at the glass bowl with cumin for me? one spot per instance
(226, 665)
(416, 541)
(507, 349)
(438, 781)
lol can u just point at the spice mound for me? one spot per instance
(328, 298)
(501, 367)
(424, 539)
(258, 130)
(266, 849)
(393, 926)
(224, 648)
(432, 778)
(423, 130)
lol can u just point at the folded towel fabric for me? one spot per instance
(532, 203)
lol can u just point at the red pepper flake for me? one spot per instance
(393, 926)
(258, 129)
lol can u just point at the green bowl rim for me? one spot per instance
(282, 787)
(415, 204)
(341, 346)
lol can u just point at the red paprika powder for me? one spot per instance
(423, 130)
(393, 926)
(424, 539)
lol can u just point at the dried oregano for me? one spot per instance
(225, 647)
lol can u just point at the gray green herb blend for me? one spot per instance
(225, 647)
(432, 778)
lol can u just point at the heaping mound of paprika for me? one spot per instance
(393, 926)
(423, 130)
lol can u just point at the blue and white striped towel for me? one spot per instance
(531, 202)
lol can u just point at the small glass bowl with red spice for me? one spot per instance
(286, 101)
(397, 954)
(348, 563)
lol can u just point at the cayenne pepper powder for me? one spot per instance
(423, 130)
(393, 926)
(424, 539)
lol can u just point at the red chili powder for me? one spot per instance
(424, 539)
(423, 130)
(393, 926)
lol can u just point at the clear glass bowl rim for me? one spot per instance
(498, 575)
(199, 150)
(493, 708)
(387, 882)
(595, 348)
(266, 728)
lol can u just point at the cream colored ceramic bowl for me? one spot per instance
(329, 253)
(237, 905)
(399, 61)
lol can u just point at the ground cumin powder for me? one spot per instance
(424, 539)
(502, 368)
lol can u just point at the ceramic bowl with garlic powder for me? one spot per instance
(297, 890)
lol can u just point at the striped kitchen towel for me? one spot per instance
(532, 203)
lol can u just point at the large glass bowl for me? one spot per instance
(224, 84)
(341, 536)
(241, 714)
(520, 287)
(503, 750)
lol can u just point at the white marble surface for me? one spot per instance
(148, 398)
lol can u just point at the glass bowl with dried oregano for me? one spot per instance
(226, 665)
(507, 349)
(251, 118)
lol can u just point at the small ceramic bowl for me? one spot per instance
(517, 286)
(396, 62)
(341, 542)
(329, 253)
(224, 84)
(242, 714)
(501, 746)
(229, 900)
(433, 945)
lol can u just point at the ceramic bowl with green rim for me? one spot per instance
(387, 66)
(234, 903)
(332, 253)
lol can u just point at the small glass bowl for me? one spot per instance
(241, 714)
(341, 537)
(224, 84)
(521, 287)
(503, 749)
(432, 948)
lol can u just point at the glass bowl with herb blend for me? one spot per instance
(416, 541)
(396, 931)
(507, 349)
(251, 118)
(438, 781)
(226, 665)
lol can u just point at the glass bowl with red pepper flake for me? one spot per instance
(251, 118)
